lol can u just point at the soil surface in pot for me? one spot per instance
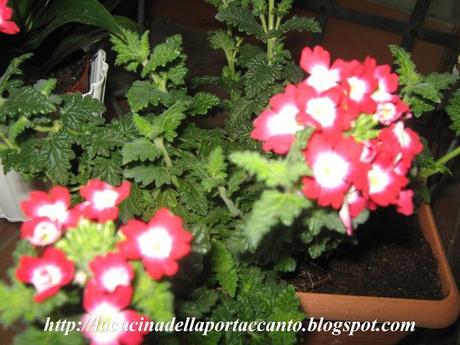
(69, 74)
(392, 259)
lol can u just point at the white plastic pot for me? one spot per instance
(13, 189)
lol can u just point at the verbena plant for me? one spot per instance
(171, 162)
(254, 71)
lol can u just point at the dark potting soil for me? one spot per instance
(68, 75)
(392, 259)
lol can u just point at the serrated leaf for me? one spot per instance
(132, 49)
(36, 336)
(221, 40)
(108, 168)
(144, 126)
(260, 74)
(46, 87)
(202, 102)
(242, 19)
(272, 208)
(56, 156)
(177, 74)
(201, 303)
(26, 101)
(143, 93)
(167, 123)
(140, 150)
(163, 54)
(286, 264)
(132, 206)
(79, 112)
(406, 67)
(12, 70)
(296, 23)
(453, 110)
(153, 299)
(273, 172)
(146, 174)
(16, 128)
(224, 266)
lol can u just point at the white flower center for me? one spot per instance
(45, 277)
(114, 277)
(381, 95)
(109, 326)
(284, 122)
(105, 199)
(330, 170)
(45, 233)
(56, 212)
(378, 179)
(322, 109)
(323, 78)
(386, 112)
(357, 88)
(156, 243)
(402, 135)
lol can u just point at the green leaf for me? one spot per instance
(87, 241)
(140, 150)
(36, 336)
(132, 49)
(143, 93)
(216, 165)
(144, 126)
(132, 206)
(202, 102)
(296, 23)
(79, 112)
(164, 54)
(273, 172)
(286, 264)
(46, 87)
(56, 156)
(453, 110)
(147, 174)
(177, 74)
(12, 70)
(26, 101)
(224, 267)
(242, 19)
(167, 122)
(406, 67)
(18, 303)
(17, 128)
(108, 168)
(153, 299)
(202, 301)
(260, 75)
(192, 196)
(272, 207)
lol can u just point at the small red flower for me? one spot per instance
(53, 205)
(41, 231)
(111, 271)
(47, 274)
(353, 205)
(317, 63)
(387, 82)
(113, 318)
(159, 244)
(335, 164)
(276, 126)
(390, 112)
(102, 199)
(6, 25)
(405, 204)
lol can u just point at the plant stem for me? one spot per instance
(264, 23)
(7, 141)
(452, 154)
(160, 144)
(229, 203)
(271, 25)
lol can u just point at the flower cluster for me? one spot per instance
(108, 279)
(360, 151)
(6, 25)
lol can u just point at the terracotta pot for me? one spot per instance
(82, 84)
(425, 313)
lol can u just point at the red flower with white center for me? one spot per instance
(6, 25)
(111, 271)
(276, 126)
(405, 204)
(317, 62)
(47, 274)
(319, 109)
(159, 244)
(113, 319)
(53, 205)
(389, 112)
(103, 199)
(41, 231)
(387, 82)
(335, 164)
(359, 84)
(383, 183)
